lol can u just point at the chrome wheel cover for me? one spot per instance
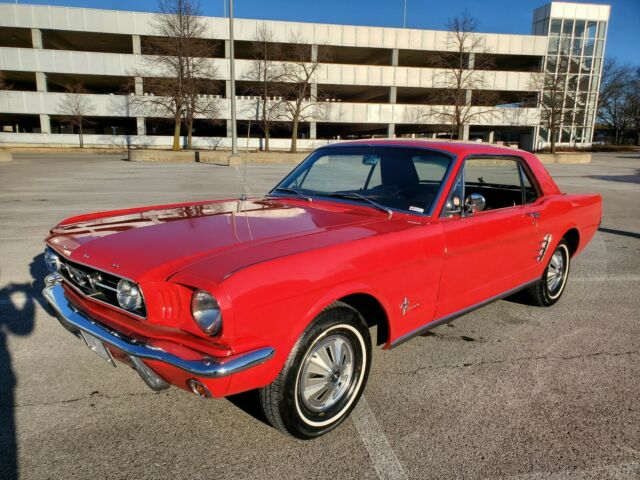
(327, 373)
(556, 272)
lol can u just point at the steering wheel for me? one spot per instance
(402, 191)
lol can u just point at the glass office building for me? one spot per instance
(576, 36)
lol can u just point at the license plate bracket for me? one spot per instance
(97, 346)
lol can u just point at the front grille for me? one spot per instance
(98, 285)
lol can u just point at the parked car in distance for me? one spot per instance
(278, 293)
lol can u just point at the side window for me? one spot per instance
(500, 181)
(530, 192)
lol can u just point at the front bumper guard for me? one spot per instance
(75, 320)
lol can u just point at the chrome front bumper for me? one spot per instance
(75, 320)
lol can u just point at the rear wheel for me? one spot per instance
(324, 376)
(548, 290)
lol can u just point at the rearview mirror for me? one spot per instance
(371, 160)
(474, 203)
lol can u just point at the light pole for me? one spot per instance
(404, 16)
(232, 83)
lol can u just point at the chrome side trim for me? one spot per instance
(207, 367)
(453, 316)
(544, 246)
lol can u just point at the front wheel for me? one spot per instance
(548, 290)
(324, 376)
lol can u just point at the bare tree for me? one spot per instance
(298, 74)
(75, 107)
(615, 96)
(182, 70)
(463, 77)
(266, 75)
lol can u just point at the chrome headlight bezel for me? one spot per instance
(206, 312)
(52, 260)
(129, 295)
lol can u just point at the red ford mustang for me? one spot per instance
(278, 293)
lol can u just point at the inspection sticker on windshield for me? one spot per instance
(416, 209)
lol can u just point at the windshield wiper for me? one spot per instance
(355, 195)
(293, 190)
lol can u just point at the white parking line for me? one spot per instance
(375, 441)
(620, 471)
(608, 278)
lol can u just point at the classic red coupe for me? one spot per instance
(278, 293)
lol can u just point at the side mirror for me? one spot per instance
(453, 206)
(474, 203)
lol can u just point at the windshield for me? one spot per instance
(390, 177)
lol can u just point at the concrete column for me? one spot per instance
(463, 132)
(141, 126)
(314, 91)
(45, 124)
(490, 140)
(41, 82)
(394, 57)
(229, 133)
(227, 49)
(36, 38)
(313, 130)
(391, 130)
(136, 44)
(227, 89)
(393, 94)
(314, 53)
(139, 87)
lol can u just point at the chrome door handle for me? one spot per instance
(533, 214)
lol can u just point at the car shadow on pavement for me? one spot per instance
(17, 317)
(635, 178)
(623, 233)
(249, 403)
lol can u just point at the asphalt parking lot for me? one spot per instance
(509, 391)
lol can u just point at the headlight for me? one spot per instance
(206, 312)
(129, 295)
(52, 260)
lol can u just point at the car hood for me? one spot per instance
(155, 242)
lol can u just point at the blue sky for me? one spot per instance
(500, 16)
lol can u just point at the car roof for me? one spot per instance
(456, 148)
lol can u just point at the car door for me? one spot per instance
(491, 251)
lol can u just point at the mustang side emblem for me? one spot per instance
(405, 306)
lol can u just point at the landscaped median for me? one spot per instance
(214, 156)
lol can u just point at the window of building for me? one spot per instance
(599, 48)
(602, 29)
(556, 26)
(591, 29)
(579, 28)
(567, 28)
